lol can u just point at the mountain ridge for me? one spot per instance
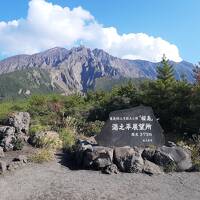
(78, 69)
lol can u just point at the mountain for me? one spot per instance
(26, 82)
(76, 70)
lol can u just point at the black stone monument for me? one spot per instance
(131, 127)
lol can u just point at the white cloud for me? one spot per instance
(49, 25)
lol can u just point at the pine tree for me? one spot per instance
(196, 71)
(165, 71)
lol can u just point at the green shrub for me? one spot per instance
(196, 155)
(71, 122)
(90, 128)
(68, 138)
(10, 106)
(38, 105)
(47, 139)
(37, 128)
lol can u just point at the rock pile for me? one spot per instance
(132, 160)
(14, 131)
(12, 134)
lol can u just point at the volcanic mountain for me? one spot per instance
(76, 70)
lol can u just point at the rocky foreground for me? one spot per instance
(55, 181)
(134, 173)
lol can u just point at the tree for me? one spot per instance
(159, 94)
(165, 71)
(196, 71)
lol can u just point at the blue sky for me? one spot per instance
(176, 21)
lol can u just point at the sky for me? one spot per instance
(133, 29)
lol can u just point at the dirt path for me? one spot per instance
(53, 181)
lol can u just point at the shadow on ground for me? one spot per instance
(66, 159)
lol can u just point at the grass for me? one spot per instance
(36, 128)
(11, 106)
(68, 137)
(42, 155)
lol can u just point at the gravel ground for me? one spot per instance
(53, 181)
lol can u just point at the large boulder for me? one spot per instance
(181, 156)
(162, 158)
(1, 152)
(7, 137)
(128, 159)
(151, 168)
(20, 120)
(81, 147)
(98, 157)
(3, 167)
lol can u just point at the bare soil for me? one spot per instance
(56, 181)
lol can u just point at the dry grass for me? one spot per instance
(42, 155)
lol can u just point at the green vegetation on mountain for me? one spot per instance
(21, 84)
(107, 83)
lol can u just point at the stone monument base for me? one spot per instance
(151, 160)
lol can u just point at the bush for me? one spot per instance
(37, 128)
(38, 105)
(90, 128)
(196, 157)
(48, 140)
(11, 106)
(42, 155)
(71, 122)
(68, 138)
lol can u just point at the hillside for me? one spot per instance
(106, 84)
(26, 82)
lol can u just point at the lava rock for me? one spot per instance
(151, 168)
(171, 144)
(7, 137)
(181, 156)
(148, 154)
(98, 158)
(128, 159)
(110, 169)
(21, 121)
(83, 145)
(80, 148)
(162, 158)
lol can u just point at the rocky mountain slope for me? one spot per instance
(78, 69)
(25, 82)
